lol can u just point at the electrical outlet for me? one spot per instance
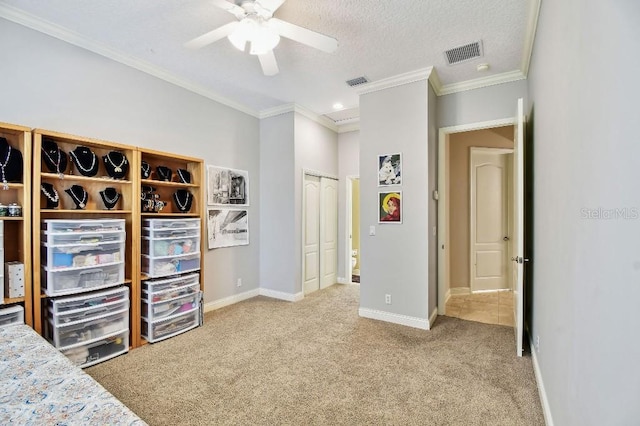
(387, 299)
(239, 282)
(537, 344)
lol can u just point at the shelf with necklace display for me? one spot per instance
(15, 190)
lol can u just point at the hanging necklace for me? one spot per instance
(53, 197)
(185, 176)
(81, 203)
(146, 171)
(108, 200)
(77, 161)
(187, 199)
(57, 162)
(118, 168)
(5, 185)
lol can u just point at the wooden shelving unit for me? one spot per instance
(17, 230)
(127, 208)
(166, 189)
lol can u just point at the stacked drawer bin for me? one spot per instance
(171, 260)
(170, 246)
(82, 255)
(90, 328)
(170, 306)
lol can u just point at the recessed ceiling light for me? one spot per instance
(482, 67)
(338, 106)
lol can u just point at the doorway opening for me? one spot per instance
(352, 258)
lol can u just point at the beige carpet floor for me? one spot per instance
(269, 362)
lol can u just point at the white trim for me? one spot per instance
(318, 174)
(348, 225)
(433, 318)
(23, 18)
(221, 303)
(274, 294)
(397, 80)
(458, 291)
(343, 280)
(443, 235)
(544, 401)
(295, 108)
(345, 128)
(442, 310)
(530, 36)
(414, 322)
(478, 83)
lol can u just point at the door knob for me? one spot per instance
(506, 238)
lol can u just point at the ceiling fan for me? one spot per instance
(257, 27)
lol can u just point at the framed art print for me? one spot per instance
(390, 169)
(390, 207)
(227, 186)
(227, 227)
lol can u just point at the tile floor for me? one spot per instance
(490, 308)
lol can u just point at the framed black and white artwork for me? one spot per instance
(390, 169)
(227, 186)
(227, 227)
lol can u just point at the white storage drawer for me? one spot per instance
(88, 330)
(75, 280)
(101, 350)
(163, 247)
(11, 316)
(78, 238)
(171, 233)
(171, 223)
(153, 311)
(54, 227)
(170, 265)
(172, 326)
(56, 257)
(75, 309)
(156, 286)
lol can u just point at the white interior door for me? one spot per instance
(517, 255)
(489, 219)
(311, 234)
(328, 232)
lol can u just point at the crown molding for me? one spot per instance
(398, 80)
(350, 127)
(478, 83)
(434, 79)
(66, 35)
(286, 108)
(530, 36)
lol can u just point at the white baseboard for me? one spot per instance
(342, 280)
(544, 401)
(433, 318)
(442, 310)
(459, 290)
(414, 322)
(221, 303)
(289, 297)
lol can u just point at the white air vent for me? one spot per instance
(464, 53)
(357, 81)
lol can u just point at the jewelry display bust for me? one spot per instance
(78, 195)
(182, 199)
(116, 164)
(53, 157)
(50, 193)
(110, 197)
(145, 169)
(10, 163)
(184, 176)
(85, 160)
(164, 173)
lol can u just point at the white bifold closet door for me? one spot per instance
(320, 232)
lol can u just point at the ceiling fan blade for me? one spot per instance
(212, 36)
(268, 63)
(305, 36)
(230, 7)
(270, 5)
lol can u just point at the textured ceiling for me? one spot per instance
(377, 39)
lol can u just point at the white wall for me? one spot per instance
(395, 261)
(49, 84)
(348, 165)
(583, 85)
(277, 177)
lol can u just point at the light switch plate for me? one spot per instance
(372, 230)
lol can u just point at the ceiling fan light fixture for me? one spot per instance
(262, 37)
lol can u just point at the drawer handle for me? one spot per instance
(92, 238)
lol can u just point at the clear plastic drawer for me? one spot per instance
(53, 227)
(155, 311)
(11, 316)
(156, 247)
(71, 310)
(171, 223)
(75, 280)
(98, 351)
(79, 238)
(163, 266)
(88, 330)
(172, 326)
(171, 233)
(82, 255)
(175, 283)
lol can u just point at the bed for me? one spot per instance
(39, 385)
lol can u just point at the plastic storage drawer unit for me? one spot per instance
(171, 326)
(75, 280)
(171, 246)
(153, 311)
(12, 315)
(170, 265)
(87, 330)
(97, 351)
(174, 224)
(95, 305)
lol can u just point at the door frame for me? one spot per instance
(443, 200)
(348, 227)
(308, 172)
(509, 218)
